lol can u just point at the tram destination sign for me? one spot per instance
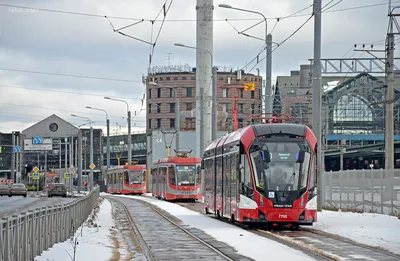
(282, 206)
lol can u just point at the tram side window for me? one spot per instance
(246, 187)
(218, 162)
(198, 174)
(209, 174)
(233, 177)
(126, 177)
(154, 175)
(313, 178)
(304, 171)
(172, 178)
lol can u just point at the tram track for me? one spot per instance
(163, 237)
(319, 244)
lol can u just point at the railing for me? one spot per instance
(362, 190)
(28, 234)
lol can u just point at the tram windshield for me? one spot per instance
(136, 176)
(283, 172)
(187, 175)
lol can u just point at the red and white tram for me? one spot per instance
(263, 174)
(177, 178)
(128, 179)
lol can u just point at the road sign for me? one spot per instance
(111, 166)
(159, 140)
(17, 149)
(35, 175)
(249, 86)
(35, 169)
(37, 140)
(67, 175)
(92, 166)
(1, 149)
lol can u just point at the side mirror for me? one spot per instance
(300, 156)
(266, 156)
(202, 164)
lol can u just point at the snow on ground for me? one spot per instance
(94, 244)
(370, 229)
(247, 243)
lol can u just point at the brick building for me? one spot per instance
(160, 113)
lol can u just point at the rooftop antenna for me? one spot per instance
(169, 59)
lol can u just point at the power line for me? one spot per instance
(71, 75)
(67, 92)
(186, 20)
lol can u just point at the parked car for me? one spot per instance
(57, 189)
(18, 189)
(4, 189)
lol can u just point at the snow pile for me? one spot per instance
(247, 243)
(92, 240)
(366, 228)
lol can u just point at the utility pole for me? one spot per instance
(71, 149)
(79, 160)
(44, 173)
(390, 81)
(91, 157)
(60, 162)
(201, 123)
(178, 121)
(316, 96)
(65, 156)
(108, 143)
(214, 104)
(12, 156)
(129, 139)
(268, 81)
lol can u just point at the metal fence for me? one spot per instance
(28, 234)
(362, 190)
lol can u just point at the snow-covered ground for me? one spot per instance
(371, 229)
(95, 242)
(247, 243)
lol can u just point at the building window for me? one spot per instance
(158, 92)
(172, 93)
(172, 108)
(224, 107)
(252, 108)
(193, 78)
(158, 107)
(189, 92)
(172, 123)
(252, 94)
(184, 78)
(168, 78)
(241, 93)
(158, 123)
(149, 108)
(149, 94)
(175, 78)
(240, 123)
(241, 107)
(225, 93)
(189, 106)
(149, 124)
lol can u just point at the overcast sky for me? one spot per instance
(55, 42)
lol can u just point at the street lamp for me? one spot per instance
(177, 111)
(214, 100)
(91, 151)
(108, 133)
(129, 128)
(268, 65)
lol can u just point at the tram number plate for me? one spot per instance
(282, 206)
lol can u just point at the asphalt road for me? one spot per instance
(17, 204)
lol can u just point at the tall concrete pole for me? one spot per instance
(129, 139)
(108, 143)
(61, 177)
(389, 135)
(71, 150)
(201, 123)
(316, 95)
(214, 104)
(79, 160)
(65, 156)
(45, 171)
(178, 122)
(268, 81)
(13, 154)
(204, 41)
(91, 158)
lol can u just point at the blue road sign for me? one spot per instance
(111, 166)
(17, 149)
(35, 175)
(37, 140)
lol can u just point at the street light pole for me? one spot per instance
(268, 65)
(129, 128)
(108, 133)
(177, 111)
(91, 150)
(214, 97)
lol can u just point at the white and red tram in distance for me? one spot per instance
(263, 174)
(177, 178)
(128, 179)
